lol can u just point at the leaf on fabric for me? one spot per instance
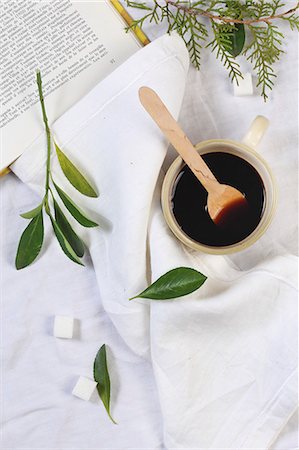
(175, 283)
(74, 240)
(75, 211)
(101, 376)
(32, 213)
(74, 176)
(30, 242)
(64, 243)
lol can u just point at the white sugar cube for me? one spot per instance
(245, 85)
(84, 388)
(63, 327)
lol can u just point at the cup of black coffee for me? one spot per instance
(184, 199)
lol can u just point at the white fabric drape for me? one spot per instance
(216, 370)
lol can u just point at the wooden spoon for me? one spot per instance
(225, 203)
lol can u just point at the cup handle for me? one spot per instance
(256, 131)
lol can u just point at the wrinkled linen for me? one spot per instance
(214, 370)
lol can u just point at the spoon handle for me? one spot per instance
(176, 136)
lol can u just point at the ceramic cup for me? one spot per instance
(245, 150)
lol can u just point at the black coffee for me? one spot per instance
(189, 200)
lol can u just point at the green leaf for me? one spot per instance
(236, 40)
(101, 376)
(75, 211)
(221, 45)
(74, 176)
(64, 244)
(175, 283)
(32, 213)
(31, 242)
(66, 228)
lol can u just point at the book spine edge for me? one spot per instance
(139, 33)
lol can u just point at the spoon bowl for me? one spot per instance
(227, 207)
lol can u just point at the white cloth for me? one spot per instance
(214, 370)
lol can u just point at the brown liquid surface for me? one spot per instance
(189, 201)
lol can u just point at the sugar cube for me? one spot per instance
(245, 86)
(84, 388)
(63, 327)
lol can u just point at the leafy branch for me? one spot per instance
(224, 16)
(263, 52)
(31, 240)
(226, 23)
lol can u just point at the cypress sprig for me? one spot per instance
(222, 27)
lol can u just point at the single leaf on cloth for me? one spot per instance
(101, 376)
(237, 40)
(32, 213)
(74, 176)
(75, 211)
(73, 239)
(175, 283)
(30, 242)
(64, 243)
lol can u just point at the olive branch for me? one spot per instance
(236, 27)
(31, 240)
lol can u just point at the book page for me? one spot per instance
(75, 44)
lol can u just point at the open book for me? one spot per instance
(75, 44)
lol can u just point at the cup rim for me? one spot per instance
(167, 187)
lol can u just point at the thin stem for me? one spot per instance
(47, 207)
(51, 192)
(201, 12)
(48, 133)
